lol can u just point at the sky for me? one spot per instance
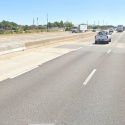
(110, 12)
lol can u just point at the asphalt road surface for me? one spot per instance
(83, 87)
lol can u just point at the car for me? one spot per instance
(111, 30)
(93, 30)
(103, 37)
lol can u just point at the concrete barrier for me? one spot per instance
(57, 39)
(13, 47)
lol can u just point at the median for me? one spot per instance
(53, 40)
(20, 46)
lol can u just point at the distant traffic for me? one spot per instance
(79, 28)
(105, 36)
(120, 28)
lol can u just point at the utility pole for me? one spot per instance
(103, 22)
(37, 25)
(37, 21)
(47, 22)
(33, 22)
(87, 22)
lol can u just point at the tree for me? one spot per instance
(7, 25)
(26, 27)
(57, 24)
(14, 28)
(61, 24)
(68, 25)
(50, 25)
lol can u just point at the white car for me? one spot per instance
(111, 30)
(103, 37)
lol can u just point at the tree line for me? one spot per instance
(60, 24)
(101, 27)
(6, 25)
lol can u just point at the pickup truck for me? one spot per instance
(103, 37)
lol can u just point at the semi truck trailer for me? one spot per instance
(79, 28)
(120, 28)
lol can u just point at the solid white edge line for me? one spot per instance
(109, 51)
(23, 72)
(78, 48)
(89, 77)
(3, 80)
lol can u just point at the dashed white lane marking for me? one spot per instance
(41, 124)
(109, 51)
(78, 48)
(23, 72)
(89, 77)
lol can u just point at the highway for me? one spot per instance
(83, 87)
